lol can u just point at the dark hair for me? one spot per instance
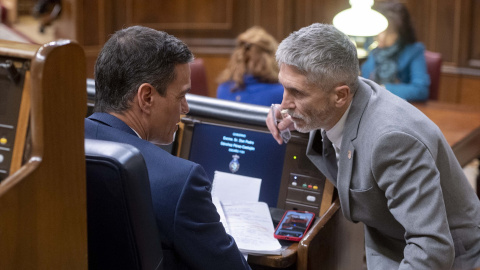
(134, 56)
(399, 20)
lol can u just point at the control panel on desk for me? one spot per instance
(304, 192)
(302, 183)
(12, 80)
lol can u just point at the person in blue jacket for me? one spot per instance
(252, 72)
(141, 78)
(398, 63)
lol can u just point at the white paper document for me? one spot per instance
(246, 219)
(221, 213)
(252, 228)
(234, 188)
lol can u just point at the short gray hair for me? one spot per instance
(323, 54)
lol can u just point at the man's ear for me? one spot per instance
(145, 97)
(342, 93)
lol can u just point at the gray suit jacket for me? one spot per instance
(398, 175)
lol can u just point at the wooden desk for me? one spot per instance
(331, 243)
(460, 125)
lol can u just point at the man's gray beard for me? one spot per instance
(305, 129)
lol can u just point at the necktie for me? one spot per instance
(325, 147)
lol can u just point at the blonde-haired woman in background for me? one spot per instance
(252, 72)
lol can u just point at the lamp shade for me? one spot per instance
(360, 19)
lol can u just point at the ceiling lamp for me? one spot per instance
(360, 20)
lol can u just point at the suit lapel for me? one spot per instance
(347, 152)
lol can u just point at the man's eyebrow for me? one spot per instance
(291, 88)
(185, 91)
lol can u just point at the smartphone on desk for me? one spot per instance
(293, 225)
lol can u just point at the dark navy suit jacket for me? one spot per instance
(190, 229)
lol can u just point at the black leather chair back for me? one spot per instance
(122, 231)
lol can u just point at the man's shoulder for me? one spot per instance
(154, 156)
(150, 150)
(384, 110)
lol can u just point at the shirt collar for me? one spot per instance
(335, 134)
(136, 132)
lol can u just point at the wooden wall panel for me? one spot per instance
(116, 10)
(470, 93)
(446, 23)
(465, 32)
(421, 15)
(449, 88)
(91, 56)
(269, 14)
(474, 57)
(181, 14)
(92, 34)
(301, 14)
(214, 64)
(210, 27)
(316, 11)
(71, 20)
(191, 19)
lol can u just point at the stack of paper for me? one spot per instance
(246, 219)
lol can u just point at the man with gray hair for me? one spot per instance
(392, 167)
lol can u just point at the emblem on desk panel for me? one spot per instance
(234, 165)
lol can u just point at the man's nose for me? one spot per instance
(287, 101)
(185, 107)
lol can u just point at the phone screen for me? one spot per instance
(293, 225)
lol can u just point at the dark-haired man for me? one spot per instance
(141, 79)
